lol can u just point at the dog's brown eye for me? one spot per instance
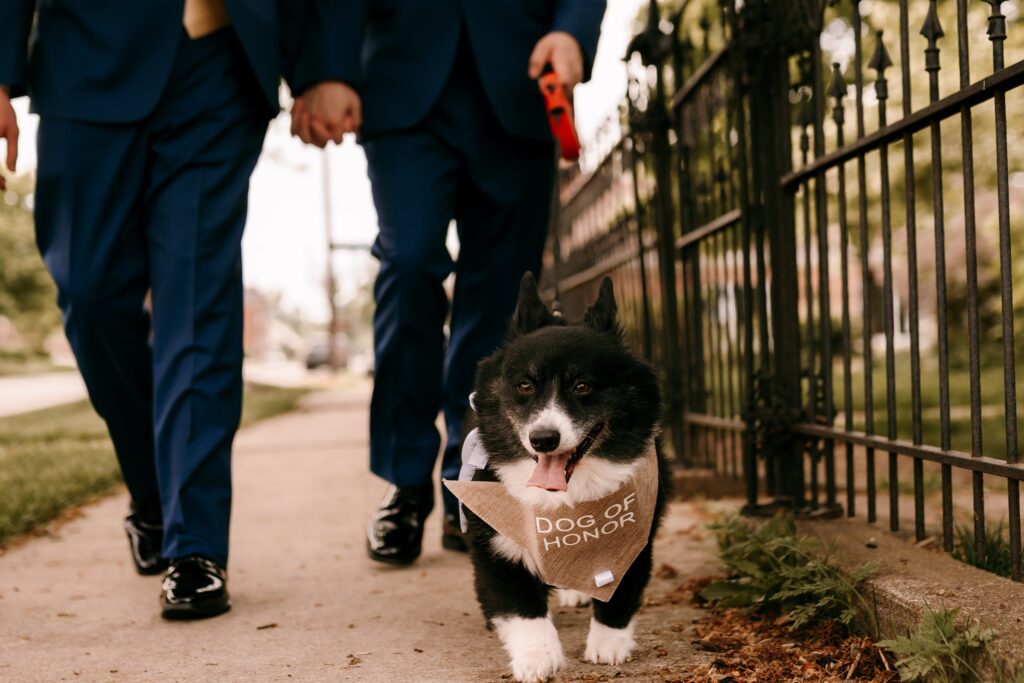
(525, 388)
(582, 389)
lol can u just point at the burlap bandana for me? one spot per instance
(587, 547)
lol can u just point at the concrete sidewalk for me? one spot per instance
(32, 392)
(308, 604)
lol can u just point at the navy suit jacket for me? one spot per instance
(106, 61)
(398, 53)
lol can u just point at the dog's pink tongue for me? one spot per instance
(550, 472)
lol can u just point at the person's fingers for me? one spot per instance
(539, 57)
(321, 133)
(562, 68)
(567, 66)
(353, 117)
(338, 132)
(357, 116)
(12, 147)
(576, 65)
(330, 114)
(297, 110)
(304, 128)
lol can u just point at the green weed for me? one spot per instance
(770, 565)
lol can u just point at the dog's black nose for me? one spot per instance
(545, 440)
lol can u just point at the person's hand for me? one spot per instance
(563, 52)
(325, 112)
(8, 132)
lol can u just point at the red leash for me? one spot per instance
(559, 114)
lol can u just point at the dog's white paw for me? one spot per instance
(606, 645)
(533, 647)
(570, 598)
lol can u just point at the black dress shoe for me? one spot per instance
(145, 532)
(194, 588)
(452, 537)
(395, 533)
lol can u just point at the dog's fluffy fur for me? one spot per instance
(534, 382)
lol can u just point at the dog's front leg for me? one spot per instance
(610, 639)
(514, 601)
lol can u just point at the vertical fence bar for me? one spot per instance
(915, 346)
(776, 158)
(880, 61)
(810, 370)
(715, 332)
(641, 251)
(970, 237)
(932, 31)
(750, 473)
(837, 90)
(693, 391)
(866, 279)
(997, 35)
(739, 311)
(770, 119)
(656, 48)
(824, 303)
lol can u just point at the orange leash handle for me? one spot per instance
(559, 109)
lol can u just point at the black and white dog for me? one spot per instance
(565, 414)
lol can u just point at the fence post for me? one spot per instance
(766, 57)
(654, 48)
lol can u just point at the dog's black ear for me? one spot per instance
(602, 314)
(531, 313)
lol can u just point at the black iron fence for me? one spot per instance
(808, 218)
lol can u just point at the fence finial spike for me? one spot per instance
(932, 29)
(837, 88)
(880, 60)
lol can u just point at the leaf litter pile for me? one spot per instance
(759, 646)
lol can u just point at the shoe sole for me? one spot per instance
(399, 561)
(193, 612)
(159, 568)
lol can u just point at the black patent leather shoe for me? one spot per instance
(145, 538)
(395, 533)
(452, 537)
(194, 588)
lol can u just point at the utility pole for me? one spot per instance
(331, 282)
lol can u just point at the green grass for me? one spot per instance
(931, 484)
(997, 548)
(18, 363)
(991, 394)
(993, 426)
(57, 458)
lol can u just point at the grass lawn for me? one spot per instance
(54, 459)
(16, 364)
(991, 376)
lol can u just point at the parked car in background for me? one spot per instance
(320, 355)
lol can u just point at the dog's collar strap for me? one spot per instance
(588, 546)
